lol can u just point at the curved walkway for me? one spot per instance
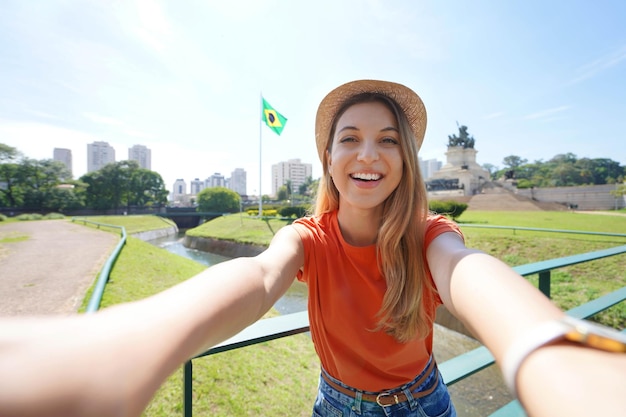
(46, 266)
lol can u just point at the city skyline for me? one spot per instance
(135, 152)
(533, 78)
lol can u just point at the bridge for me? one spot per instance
(187, 217)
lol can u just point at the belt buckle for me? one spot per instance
(386, 394)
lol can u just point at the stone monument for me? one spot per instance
(461, 175)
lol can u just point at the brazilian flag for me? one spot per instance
(272, 118)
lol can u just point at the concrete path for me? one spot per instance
(51, 268)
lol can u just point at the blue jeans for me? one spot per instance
(333, 403)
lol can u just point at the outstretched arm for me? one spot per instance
(111, 363)
(499, 305)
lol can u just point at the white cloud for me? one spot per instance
(495, 115)
(546, 113)
(599, 65)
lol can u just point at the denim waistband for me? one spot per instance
(423, 384)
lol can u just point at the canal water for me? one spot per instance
(293, 301)
(477, 396)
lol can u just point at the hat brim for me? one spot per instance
(410, 103)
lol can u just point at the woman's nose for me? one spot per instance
(367, 152)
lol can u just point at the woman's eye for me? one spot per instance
(390, 140)
(347, 139)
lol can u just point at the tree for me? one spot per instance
(39, 179)
(146, 188)
(513, 161)
(107, 188)
(62, 198)
(11, 194)
(8, 153)
(308, 187)
(123, 184)
(289, 187)
(44, 185)
(218, 200)
(566, 175)
(562, 170)
(619, 191)
(492, 169)
(283, 193)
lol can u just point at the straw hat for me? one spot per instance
(410, 103)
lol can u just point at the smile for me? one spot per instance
(365, 176)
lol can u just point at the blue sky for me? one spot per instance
(529, 78)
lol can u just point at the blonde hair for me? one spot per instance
(400, 240)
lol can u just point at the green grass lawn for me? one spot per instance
(280, 377)
(240, 228)
(134, 223)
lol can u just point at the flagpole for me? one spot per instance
(260, 157)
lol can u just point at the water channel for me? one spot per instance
(477, 396)
(293, 301)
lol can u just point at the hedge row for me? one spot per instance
(34, 216)
(285, 211)
(448, 207)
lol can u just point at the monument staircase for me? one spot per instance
(495, 197)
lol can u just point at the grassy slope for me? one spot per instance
(236, 227)
(133, 224)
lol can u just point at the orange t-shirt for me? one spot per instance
(346, 290)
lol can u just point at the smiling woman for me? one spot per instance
(377, 265)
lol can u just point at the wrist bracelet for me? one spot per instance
(526, 344)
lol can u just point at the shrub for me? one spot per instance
(218, 200)
(524, 183)
(449, 208)
(31, 216)
(53, 216)
(266, 213)
(294, 211)
(3, 218)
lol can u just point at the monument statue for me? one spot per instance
(464, 139)
(461, 175)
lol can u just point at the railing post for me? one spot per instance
(544, 283)
(187, 389)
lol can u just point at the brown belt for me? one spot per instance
(387, 398)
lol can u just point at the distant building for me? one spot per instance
(98, 155)
(238, 181)
(429, 167)
(65, 156)
(293, 170)
(196, 186)
(216, 180)
(142, 155)
(179, 189)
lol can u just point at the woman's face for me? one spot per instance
(366, 157)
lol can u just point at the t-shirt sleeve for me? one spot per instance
(437, 225)
(304, 228)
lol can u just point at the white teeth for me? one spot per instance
(366, 176)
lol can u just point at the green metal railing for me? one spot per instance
(103, 278)
(455, 369)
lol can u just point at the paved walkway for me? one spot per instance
(50, 271)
